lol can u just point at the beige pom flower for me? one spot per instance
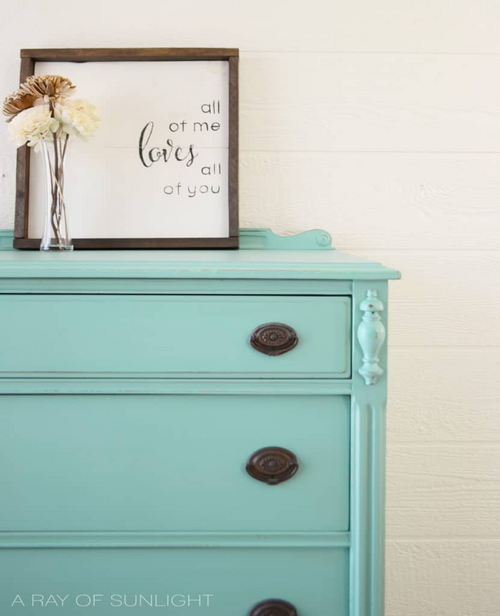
(51, 88)
(77, 117)
(31, 126)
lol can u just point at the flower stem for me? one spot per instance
(55, 193)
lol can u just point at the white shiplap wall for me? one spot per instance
(380, 122)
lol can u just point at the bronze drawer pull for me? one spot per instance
(273, 607)
(272, 465)
(274, 338)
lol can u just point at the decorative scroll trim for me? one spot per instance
(371, 337)
(265, 239)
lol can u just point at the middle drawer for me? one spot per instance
(173, 463)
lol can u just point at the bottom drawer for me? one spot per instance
(222, 582)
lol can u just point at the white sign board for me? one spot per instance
(158, 166)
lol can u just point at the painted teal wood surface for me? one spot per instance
(171, 463)
(295, 260)
(367, 497)
(177, 334)
(314, 580)
(123, 447)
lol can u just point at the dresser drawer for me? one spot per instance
(158, 335)
(171, 463)
(226, 582)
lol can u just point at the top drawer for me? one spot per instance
(172, 334)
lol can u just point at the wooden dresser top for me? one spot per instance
(262, 255)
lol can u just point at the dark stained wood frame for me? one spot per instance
(28, 59)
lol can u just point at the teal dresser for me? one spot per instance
(198, 431)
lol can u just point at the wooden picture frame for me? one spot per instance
(29, 60)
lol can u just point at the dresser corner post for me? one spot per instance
(368, 424)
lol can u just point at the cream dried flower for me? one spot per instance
(51, 88)
(31, 126)
(77, 117)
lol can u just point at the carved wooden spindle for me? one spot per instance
(371, 337)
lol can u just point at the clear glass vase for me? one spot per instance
(55, 229)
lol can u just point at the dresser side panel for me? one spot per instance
(368, 412)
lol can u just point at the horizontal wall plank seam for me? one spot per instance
(444, 346)
(361, 52)
(460, 540)
(382, 152)
(403, 445)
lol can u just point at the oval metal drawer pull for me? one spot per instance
(274, 338)
(272, 465)
(273, 607)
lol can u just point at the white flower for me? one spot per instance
(32, 125)
(77, 117)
